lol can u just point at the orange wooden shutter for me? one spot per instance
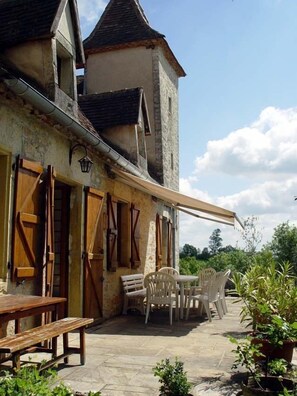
(28, 220)
(169, 246)
(94, 254)
(135, 237)
(158, 242)
(112, 234)
(50, 256)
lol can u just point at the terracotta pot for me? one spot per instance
(271, 351)
(272, 386)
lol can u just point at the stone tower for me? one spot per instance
(123, 51)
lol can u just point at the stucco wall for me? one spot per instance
(24, 132)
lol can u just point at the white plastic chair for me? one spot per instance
(169, 270)
(210, 295)
(224, 277)
(204, 276)
(161, 290)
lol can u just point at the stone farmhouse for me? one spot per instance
(66, 230)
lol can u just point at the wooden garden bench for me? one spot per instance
(20, 343)
(134, 292)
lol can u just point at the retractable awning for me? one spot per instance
(184, 203)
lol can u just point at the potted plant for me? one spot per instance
(266, 289)
(269, 298)
(262, 380)
(277, 338)
(172, 377)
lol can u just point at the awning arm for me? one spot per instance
(216, 220)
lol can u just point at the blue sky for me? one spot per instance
(238, 105)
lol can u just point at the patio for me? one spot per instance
(122, 352)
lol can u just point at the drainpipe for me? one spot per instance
(43, 104)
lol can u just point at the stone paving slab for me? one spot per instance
(122, 352)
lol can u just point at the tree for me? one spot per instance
(204, 255)
(215, 242)
(251, 236)
(284, 244)
(188, 251)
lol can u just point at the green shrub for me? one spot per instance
(191, 266)
(29, 381)
(172, 377)
(235, 260)
(266, 291)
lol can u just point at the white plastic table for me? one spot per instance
(182, 280)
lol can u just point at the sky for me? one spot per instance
(237, 107)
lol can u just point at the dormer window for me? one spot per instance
(65, 75)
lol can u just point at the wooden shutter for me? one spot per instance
(158, 242)
(94, 254)
(169, 245)
(135, 237)
(50, 256)
(28, 220)
(112, 234)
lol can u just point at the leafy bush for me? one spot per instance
(28, 381)
(191, 266)
(236, 260)
(172, 377)
(266, 291)
(284, 244)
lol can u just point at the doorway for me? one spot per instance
(61, 227)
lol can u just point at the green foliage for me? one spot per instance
(188, 251)
(215, 242)
(246, 352)
(284, 244)
(277, 367)
(29, 381)
(172, 377)
(265, 291)
(191, 266)
(277, 330)
(235, 260)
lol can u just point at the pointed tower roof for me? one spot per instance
(124, 24)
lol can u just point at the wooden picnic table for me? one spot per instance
(17, 306)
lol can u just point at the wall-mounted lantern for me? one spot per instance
(85, 162)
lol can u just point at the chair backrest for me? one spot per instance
(159, 287)
(213, 286)
(224, 277)
(169, 270)
(132, 282)
(205, 275)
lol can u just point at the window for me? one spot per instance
(118, 236)
(65, 75)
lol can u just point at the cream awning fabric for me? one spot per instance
(184, 203)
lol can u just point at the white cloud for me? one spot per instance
(266, 147)
(264, 154)
(90, 10)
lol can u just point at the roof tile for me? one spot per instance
(23, 20)
(111, 109)
(122, 22)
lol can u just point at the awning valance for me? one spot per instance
(184, 203)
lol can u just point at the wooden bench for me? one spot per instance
(20, 343)
(134, 292)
